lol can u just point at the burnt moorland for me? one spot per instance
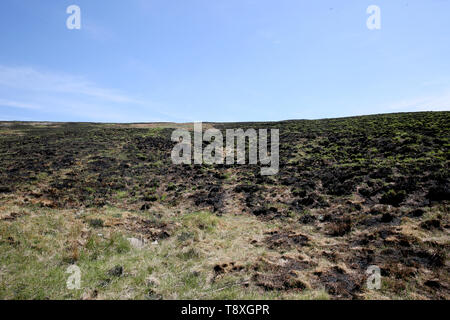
(350, 193)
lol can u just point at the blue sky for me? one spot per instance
(221, 60)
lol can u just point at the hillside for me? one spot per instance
(350, 193)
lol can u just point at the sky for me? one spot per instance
(221, 60)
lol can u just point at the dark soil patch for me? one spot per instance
(340, 228)
(117, 271)
(281, 275)
(228, 267)
(417, 213)
(286, 240)
(432, 224)
(341, 284)
(149, 229)
(12, 216)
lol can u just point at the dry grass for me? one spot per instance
(38, 244)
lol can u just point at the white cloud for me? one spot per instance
(66, 96)
(18, 104)
(436, 102)
(26, 78)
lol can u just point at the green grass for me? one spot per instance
(202, 220)
(37, 248)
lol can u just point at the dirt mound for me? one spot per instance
(286, 240)
(281, 274)
(340, 283)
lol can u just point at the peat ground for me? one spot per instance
(350, 193)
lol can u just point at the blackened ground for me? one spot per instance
(377, 185)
